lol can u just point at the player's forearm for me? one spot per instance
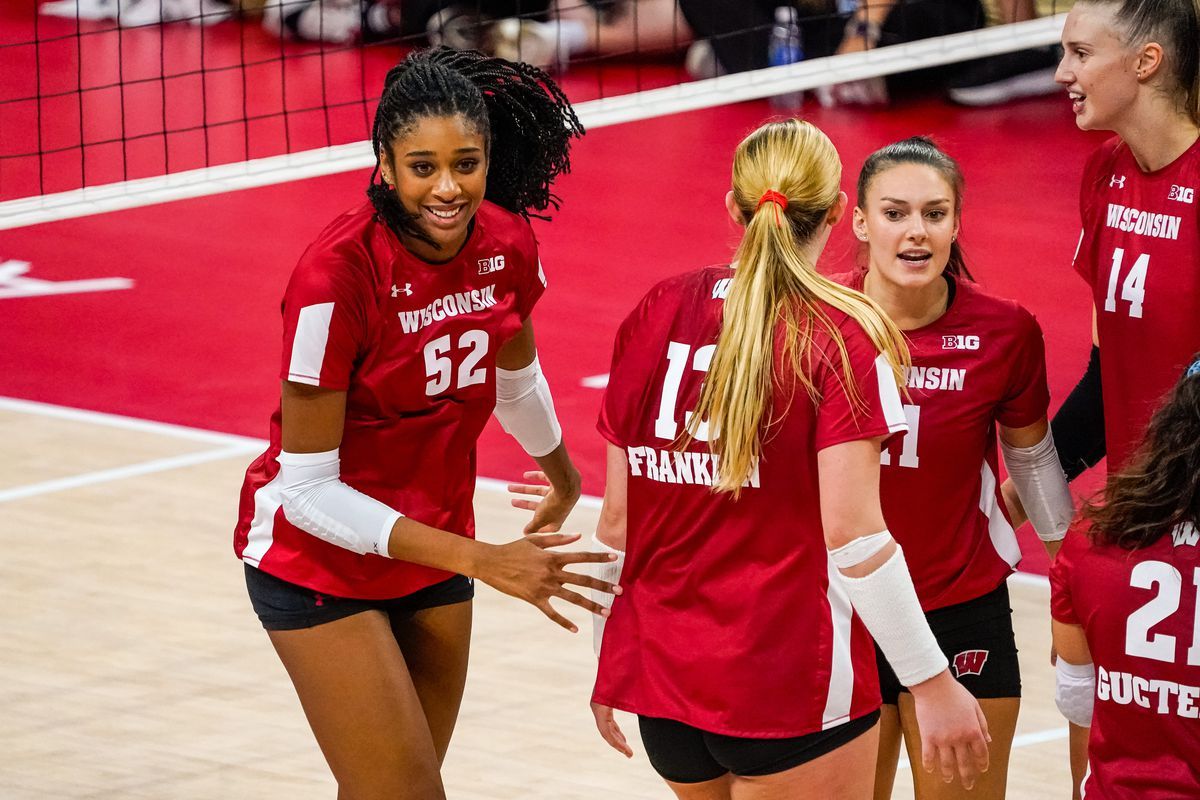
(561, 473)
(418, 543)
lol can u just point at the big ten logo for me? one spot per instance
(960, 342)
(1184, 194)
(489, 265)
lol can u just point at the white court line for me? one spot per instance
(1021, 740)
(233, 446)
(126, 423)
(648, 104)
(121, 473)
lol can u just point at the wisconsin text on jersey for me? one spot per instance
(449, 306)
(673, 466)
(948, 378)
(1145, 223)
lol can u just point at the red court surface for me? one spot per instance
(196, 339)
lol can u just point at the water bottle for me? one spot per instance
(785, 47)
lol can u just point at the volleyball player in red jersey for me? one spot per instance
(1133, 67)
(405, 324)
(1126, 607)
(745, 410)
(978, 366)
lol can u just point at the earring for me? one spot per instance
(862, 237)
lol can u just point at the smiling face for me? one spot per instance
(439, 169)
(909, 223)
(1098, 70)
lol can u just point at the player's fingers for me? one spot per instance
(979, 746)
(524, 505)
(586, 557)
(549, 611)
(535, 475)
(948, 763)
(618, 739)
(966, 767)
(576, 598)
(589, 582)
(528, 488)
(544, 540)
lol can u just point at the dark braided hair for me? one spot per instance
(525, 119)
(924, 151)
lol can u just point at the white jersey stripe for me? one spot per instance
(267, 502)
(1003, 537)
(889, 395)
(841, 665)
(308, 348)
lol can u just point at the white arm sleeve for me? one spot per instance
(609, 571)
(317, 502)
(1042, 487)
(526, 410)
(886, 600)
(1075, 691)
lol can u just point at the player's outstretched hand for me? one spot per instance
(530, 570)
(610, 730)
(954, 734)
(551, 508)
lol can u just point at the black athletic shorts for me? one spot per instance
(683, 754)
(977, 638)
(283, 606)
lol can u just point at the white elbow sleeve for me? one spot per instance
(886, 600)
(526, 410)
(317, 502)
(1075, 691)
(1042, 487)
(610, 572)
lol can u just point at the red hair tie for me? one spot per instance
(780, 201)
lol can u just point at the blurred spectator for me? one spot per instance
(739, 32)
(597, 27)
(1008, 76)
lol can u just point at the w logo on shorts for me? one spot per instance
(970, 662)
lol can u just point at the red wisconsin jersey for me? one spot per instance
(980, 364)
(1140, 612)
(413, 345)
(729, 619)
(1140, 251)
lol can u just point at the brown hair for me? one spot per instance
(1160, 487)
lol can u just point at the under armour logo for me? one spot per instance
(970, 662)
(396, 290)
(1117, 182)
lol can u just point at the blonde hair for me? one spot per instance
(775, 282)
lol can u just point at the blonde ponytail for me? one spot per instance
(775, 282)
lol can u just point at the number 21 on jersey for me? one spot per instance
(1169, 583)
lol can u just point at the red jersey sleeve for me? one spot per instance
(1028, 396)
(324, 320)
(1062, 607)
(1094, 172)
(841, 417)
(617, 412)
(532, 281)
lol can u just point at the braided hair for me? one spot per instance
(525, 119)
